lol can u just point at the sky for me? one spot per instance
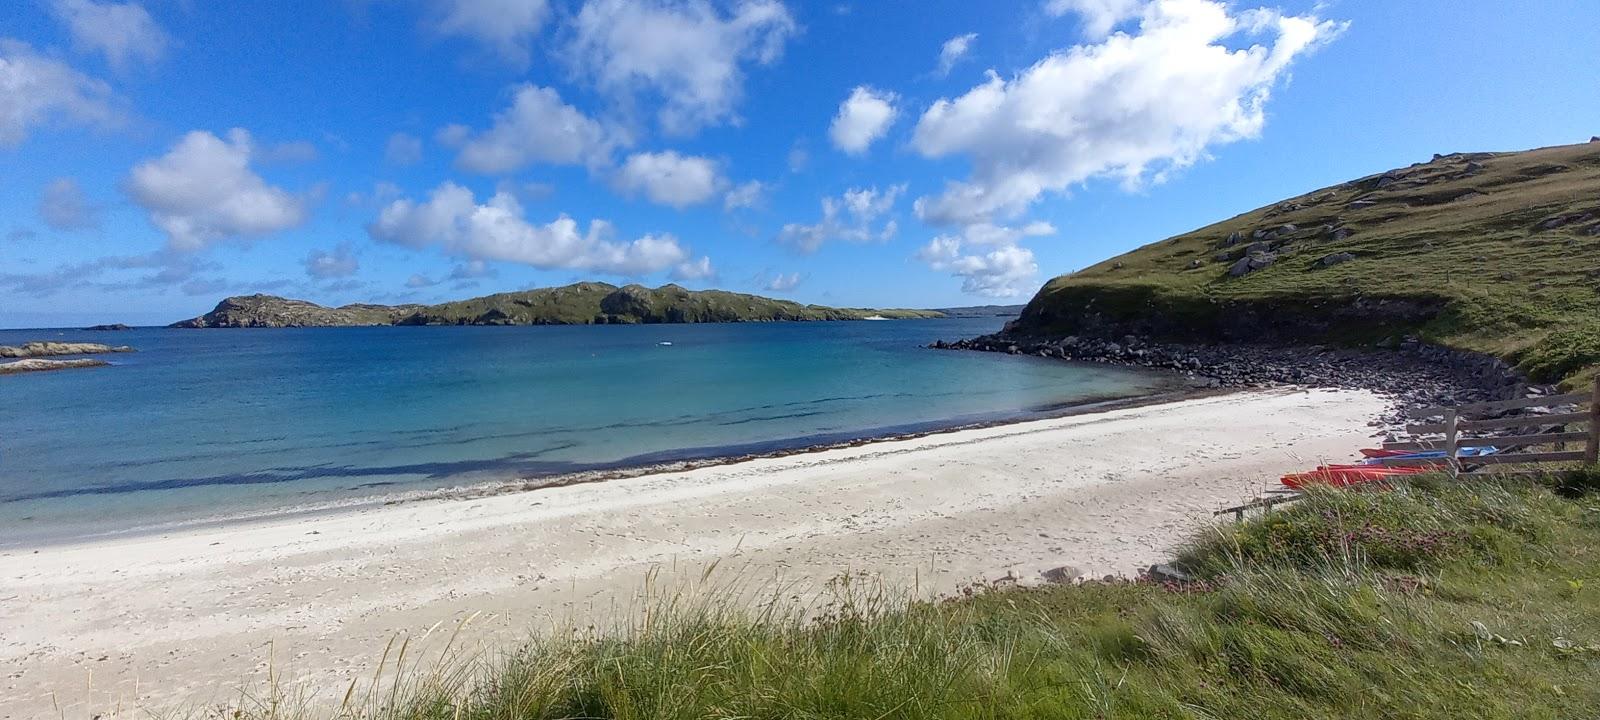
(158, 155)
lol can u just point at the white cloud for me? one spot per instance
(852, 216)
(1099, 16)
(418, 281)
(537, 128)
(987, 257)
(62, 206)
(798, 157)
(1132, 107)
(472, 270)
(782, 282)
(954, 50)
(695, 270)
(685, 53)
(667, 178)
(453, 135)
(341, 262)
(863, 118)
(745, 195)
(452, 220)
(36, 90)
(402, 150)
(123, 32)
(506, 27)
(203, 190)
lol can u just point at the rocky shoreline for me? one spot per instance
(1415, 374)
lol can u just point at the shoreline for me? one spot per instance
(626, 468)
(162, 620)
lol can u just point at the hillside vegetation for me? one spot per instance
(577, 304)
(1430, 600)
(1491, 252)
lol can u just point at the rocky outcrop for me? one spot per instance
(57, 349)
(108, 328)
(270, 311)
(42, 365)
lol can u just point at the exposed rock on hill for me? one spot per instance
(55, 349)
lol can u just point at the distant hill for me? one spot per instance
(577, 304)
(983, 311)
(1491, 252)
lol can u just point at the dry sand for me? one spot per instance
(187, 617)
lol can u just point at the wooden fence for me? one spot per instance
(1528, 438)
(1539, 434)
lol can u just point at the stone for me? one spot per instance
(1250, 264)
(1385, 181)
(1061, 575)
(1334, 259)
(1358, 204)
(1234, 238)
(1258, 247)
(1223, 256)
(1196, 264)
(1168, 574)
(1287, 228)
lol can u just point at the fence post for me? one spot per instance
(1451, 431)
(1592, 455)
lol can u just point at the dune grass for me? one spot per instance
(1428, 600)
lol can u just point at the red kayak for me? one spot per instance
(1347, 475)
(1373, 453)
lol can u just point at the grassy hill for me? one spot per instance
(576, 304)
(1491, 252)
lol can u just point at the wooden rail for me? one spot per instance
(1546, 444)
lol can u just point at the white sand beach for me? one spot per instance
(185, 618)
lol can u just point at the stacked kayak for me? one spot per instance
(1347, 475)
(1373, 469)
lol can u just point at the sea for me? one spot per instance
(207, 426)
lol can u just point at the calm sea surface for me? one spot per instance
(201, 425)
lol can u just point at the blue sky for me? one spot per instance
(158, 155)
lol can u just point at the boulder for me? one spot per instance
(1250, 264)
(1196, 264)
(1335, 259)
(1234, 238)
(1167, 574)
(1258, 247)
(1223, 256)
(1358, 204)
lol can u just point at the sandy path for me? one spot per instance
(186, 616)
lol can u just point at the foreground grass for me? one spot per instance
(1428, 600)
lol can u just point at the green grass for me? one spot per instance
(1461, 258)
(1430, 600)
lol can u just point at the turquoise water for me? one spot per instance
(207, 424)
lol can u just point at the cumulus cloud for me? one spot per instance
(1099, 16)
(203, 190)
(1133, 107)
(505, 27)
(122, 32)
(954, 50)
(987, 257)
(402, 150)
(687, 54)
(537, 128)
(744, 196)
(63, 206)
(694, 270)
(782, 282)
(340, 262)
(452, 220)
(852, 216)
(667, 178)
(862, 118)
(36, 90)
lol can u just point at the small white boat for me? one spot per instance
(665, 342)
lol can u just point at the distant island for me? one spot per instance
(585, 303)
